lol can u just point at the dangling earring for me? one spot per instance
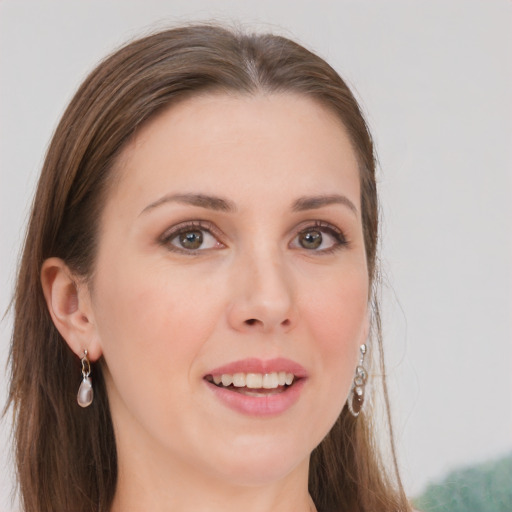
(356, 396)
(85, 391)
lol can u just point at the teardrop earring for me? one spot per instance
(356, 396)
(85, 391)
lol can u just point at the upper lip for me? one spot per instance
(255, 365)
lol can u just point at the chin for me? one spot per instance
(256, 463)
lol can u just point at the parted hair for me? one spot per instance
(65, 455)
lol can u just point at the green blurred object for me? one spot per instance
(483, 488)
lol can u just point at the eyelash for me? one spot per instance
(337, 234)
(186, 227)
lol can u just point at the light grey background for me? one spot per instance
(434, 78)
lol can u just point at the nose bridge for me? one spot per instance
(264, 296)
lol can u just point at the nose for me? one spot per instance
(263, 297)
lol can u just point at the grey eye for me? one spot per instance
(311, 239)
(191, 239)
(321, 239)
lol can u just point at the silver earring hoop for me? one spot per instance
(85, 392)
(356, 396)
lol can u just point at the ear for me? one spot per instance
(69, 303)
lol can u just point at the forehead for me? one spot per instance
(241, 143)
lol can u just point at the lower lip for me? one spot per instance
(269, 405)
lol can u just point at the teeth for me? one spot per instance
(255, 380)
(227, 380)
(238, 380)
(270, 381)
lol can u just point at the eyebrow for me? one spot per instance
(315, 202)
(225, 205)
(201, 200)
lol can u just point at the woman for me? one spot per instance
(201, 265)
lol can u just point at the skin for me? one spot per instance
(162, 315)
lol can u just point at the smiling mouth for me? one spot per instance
(254, 384)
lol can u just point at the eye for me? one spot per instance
(319, 238)
(191, 238)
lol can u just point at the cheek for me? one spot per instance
(152, 326)
(149, 307)
(338, 319)
(338, 315)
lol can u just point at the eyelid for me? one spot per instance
(189, 225)
(320, 225)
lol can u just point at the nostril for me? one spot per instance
(255, 321)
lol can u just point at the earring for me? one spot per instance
(356, 396)
(85, 391)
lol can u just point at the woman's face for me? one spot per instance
(231, 248)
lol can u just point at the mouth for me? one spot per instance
(258, 387)
(254, 384)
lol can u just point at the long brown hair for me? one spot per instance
(66, 456)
